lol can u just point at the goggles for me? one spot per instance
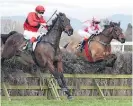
(41, 12)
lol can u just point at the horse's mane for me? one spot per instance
(111, 24)
(52, 24)
(54, 21)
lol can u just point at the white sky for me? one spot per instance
(80, 9)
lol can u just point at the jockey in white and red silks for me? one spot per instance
(92, 28)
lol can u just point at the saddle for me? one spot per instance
(82, 43)
(30, 47)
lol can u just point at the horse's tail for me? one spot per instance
(66, 45)
(4, 37)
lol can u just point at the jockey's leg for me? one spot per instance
(31, 36)
(30, 46)
(83, 44)
(27, 37)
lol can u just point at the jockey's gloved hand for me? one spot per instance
(48, 27)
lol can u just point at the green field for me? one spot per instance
(90, 102)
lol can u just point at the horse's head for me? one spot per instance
(115, 31)
(65, 24)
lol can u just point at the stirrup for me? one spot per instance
(24, 47)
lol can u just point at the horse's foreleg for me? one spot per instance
(55, 73)
(60, 70)
(110, 60)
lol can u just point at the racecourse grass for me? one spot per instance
(91, 102)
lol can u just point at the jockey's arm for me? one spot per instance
(43, 23)
(31, 19)
(43, 20)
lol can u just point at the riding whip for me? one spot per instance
(52, 16)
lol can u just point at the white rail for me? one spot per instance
(122, 44)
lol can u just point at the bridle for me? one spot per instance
(65, 28)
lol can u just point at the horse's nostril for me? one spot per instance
(71, 31)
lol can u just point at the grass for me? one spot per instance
(91, 102)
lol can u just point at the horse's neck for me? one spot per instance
(105, 38)
(54, 35)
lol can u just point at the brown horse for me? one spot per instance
(97, 47)
(47, 52)
(4, 38)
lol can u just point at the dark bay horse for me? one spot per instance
(98, 47)
(47, 52)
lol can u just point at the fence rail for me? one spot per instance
(6, 86)
(122, 44)
(104, 76)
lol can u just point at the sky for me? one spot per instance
(80, 9)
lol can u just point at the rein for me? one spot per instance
(103, 43)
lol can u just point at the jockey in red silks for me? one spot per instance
(32, 23)
(93, 28)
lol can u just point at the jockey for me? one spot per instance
(32, 23)
(93, 28)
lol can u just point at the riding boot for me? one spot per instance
(30, 46)
(82, 45)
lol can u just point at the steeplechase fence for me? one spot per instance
(82, 86)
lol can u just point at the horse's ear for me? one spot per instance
(119, 23)
(61, 14)
(111, 24)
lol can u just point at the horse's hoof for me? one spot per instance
(70, 98)
(64, 89)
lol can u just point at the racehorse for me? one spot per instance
(47, 52)
(97, 47)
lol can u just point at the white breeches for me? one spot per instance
(84, 34)
(29, 34)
